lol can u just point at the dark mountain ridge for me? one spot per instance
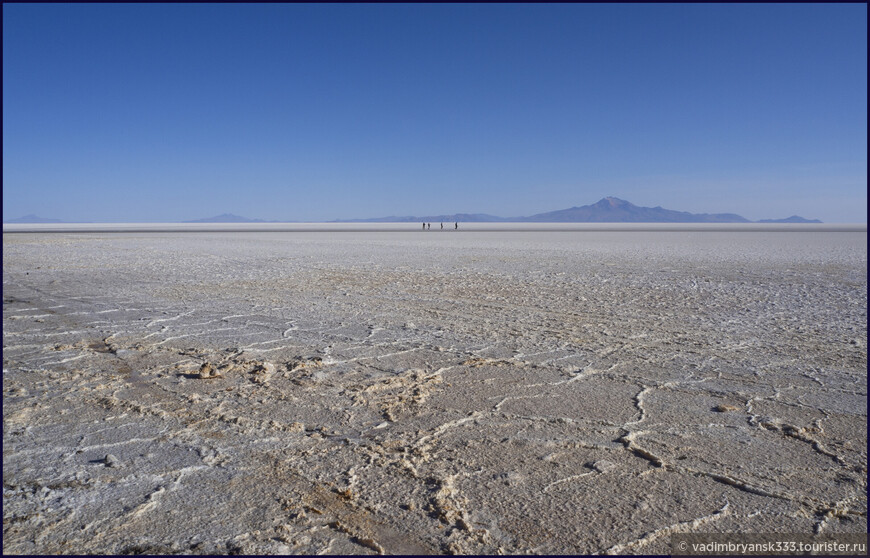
(606, 210)
(615, 210)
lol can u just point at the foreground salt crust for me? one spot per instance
(398, 392)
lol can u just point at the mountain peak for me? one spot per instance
(613, 202)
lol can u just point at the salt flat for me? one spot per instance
(472, 391)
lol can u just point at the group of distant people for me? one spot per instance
(428, 226)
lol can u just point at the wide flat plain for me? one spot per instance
(472, 391)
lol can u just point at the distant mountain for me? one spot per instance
(464, 217)
(606, 210)
(792, 219)
(33, 219)
(226, 218)
(615, 210)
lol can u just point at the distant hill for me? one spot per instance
(33, 219)
(792, 219)
(606, 210)
(226, 218)
(615, 210)
(464, 217)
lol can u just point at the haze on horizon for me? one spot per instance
(161, 112)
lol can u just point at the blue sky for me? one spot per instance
(161, 112)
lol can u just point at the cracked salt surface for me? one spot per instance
(468, 392)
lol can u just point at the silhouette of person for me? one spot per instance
(429, 226)
(456, 225)
(424, 226)
(442, 226)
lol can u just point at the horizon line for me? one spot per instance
(324, 226)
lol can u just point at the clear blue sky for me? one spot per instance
(160, 112)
